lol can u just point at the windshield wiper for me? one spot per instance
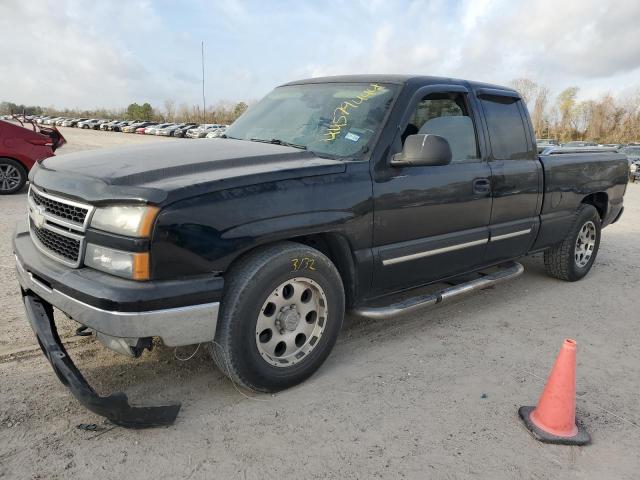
(276, 141)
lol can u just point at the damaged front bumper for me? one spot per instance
(114, 407)
(123, 314)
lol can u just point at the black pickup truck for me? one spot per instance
(330, 195)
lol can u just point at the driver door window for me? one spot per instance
(446, 115)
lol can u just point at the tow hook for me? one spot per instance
(141, 345)
(83, 331)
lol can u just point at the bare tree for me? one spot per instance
(527, 88)
(567, 107)
(538, 117)
(170, 110)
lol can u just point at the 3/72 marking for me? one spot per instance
(303, 264)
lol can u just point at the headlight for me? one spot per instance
(633, 167)
(116, 262)
(130, 220)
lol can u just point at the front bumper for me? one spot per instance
(180, 312)
(116, 406)
(175, 326)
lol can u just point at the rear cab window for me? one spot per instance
(507, 132)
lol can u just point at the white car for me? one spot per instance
(203, 130)
(217, 133)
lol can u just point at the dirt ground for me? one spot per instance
(431, 395)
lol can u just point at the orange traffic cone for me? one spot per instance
(554, 419)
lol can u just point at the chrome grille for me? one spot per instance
(58, 225)
(60, 245)
(66, 211)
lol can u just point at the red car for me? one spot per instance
(20, 148)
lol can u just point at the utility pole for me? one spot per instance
(204, 105)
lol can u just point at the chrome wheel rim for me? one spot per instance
(291, 322)
(9, 177)
(585, 244)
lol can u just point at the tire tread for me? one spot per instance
(236, 283)
(558, 259)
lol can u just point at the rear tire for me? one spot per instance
(281, 313)
(571, 259)
(13, 176)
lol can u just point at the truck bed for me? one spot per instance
(572, 174)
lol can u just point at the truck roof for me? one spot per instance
(398, 79)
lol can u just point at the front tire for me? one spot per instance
(280, 317)
(13, 176)
(572, 258)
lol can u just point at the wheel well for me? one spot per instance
(600, 201)
(335, 247)
(338, 249)
(15, 160)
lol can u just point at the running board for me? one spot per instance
(417, 303)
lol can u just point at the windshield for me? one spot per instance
(336, 119)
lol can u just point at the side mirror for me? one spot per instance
(422, 150)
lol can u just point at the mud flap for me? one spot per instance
(114, 407)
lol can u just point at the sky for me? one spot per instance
(91, 54)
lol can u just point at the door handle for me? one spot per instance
(481, 185)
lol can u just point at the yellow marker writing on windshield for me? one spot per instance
(341, 112)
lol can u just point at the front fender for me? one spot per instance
(206, 233)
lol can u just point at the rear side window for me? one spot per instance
(507, 133)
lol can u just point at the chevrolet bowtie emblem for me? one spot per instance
(37, 215)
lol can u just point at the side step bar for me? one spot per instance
(417, 303)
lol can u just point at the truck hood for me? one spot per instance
(166, 172)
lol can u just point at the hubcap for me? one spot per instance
(9, 177)
(291, 322)
(585, 244)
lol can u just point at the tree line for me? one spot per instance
(563, 117)
(222, 112)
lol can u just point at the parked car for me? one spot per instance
(579, 144)
(108, 125)
(120, 125)
(93, 123)
(141, 130)
(202, 130)
(171, 130)
(72, 122)
(134, 126)
(217, 133)
(325, 197)
(542, 143)
(611, 145)
(182, 131)
(633, 156)
(152, 129)
(130, 128)
(50, 121)
(96, 125)
(87, 123)
(20, 148)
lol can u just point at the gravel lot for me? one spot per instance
(433, 395)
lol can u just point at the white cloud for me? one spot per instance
(89, 54)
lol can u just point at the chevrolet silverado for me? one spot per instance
(330, 195)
